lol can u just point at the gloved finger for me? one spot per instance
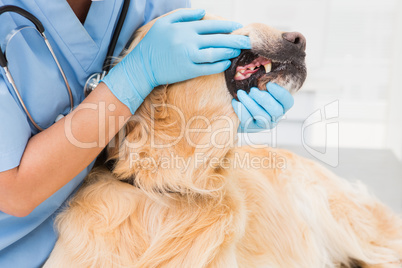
(261, 117)
(224, 40)
(214, 54)
(281, 95)
(247, 122)
(214, 26)
(243, 114)
(268, 103)
(211, 68)
(184, 15)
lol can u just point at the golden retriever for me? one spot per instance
(182, 194)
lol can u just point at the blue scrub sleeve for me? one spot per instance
(14, 129)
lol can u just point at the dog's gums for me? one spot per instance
(244, 72)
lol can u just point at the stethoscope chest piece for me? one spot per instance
(92, 82)
(60, 116)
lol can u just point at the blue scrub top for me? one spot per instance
(81, 50)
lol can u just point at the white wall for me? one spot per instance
(394, 119)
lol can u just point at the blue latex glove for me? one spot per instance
(260, 110)
(177, 47)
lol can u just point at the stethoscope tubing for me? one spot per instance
(25, 14)
(11, 81)
(93, 80)
(61, 71)
(113, 42)
(4, 62)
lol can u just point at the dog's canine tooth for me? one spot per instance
(239, 76)
(268, 67)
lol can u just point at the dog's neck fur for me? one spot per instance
(178, 137)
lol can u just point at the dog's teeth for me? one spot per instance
(242, 71)
(238, 76)
(268, 67)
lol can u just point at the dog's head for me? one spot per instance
(176, 139)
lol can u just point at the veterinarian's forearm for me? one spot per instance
(55, 156)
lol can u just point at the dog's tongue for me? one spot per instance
(244, 72)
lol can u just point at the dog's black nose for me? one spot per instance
(296, 38)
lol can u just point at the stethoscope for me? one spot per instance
(92, 81)
(95, 78)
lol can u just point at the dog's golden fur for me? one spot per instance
(216, 213)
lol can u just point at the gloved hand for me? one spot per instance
(177, 47)
(260, 110)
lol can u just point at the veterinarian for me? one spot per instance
(39, 170)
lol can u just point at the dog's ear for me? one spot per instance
(136, 131)
(138, 36)
(162, 120)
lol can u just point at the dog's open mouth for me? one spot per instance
(252, 70)
(247, 70)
